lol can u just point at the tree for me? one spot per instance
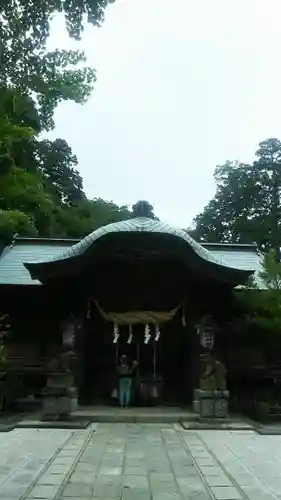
(23, 199)
(51, 78)
(271, 273)
(233, 215)
(246, 205)
(268, 166)
(262, 309)
(15, 222)
(41, 191)
(35, 16)
(53, 159)
(25, 192)
(12, 129)
(19, 109)
(104, 212)
(88, 215)
(56, 162)
(29, 68)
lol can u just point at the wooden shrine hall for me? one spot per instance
(137, 287)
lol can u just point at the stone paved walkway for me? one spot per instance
(139, 462)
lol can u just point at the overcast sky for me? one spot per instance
(183, 85)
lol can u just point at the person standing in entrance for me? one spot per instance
(125, 381)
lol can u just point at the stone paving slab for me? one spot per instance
(24, 455)
(132, 461)
(252, 462)
(269, 429)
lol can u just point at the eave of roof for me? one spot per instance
(191, 253)
(13, 271)
(72, 241)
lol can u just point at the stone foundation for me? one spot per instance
(211, 404)
(60, 397)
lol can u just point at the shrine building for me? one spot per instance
(139, 287)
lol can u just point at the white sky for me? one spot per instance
(183, 85)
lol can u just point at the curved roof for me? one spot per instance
(136, 225)
(140, 224)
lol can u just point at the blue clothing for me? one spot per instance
(125, 387)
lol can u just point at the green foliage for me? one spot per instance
(41, 190)
(246, 207)
(104, 212)
(19, 109)
(14, 126)
(23, 191)
(233, 215)
(262, 309)
(54, 77)
(49, 77)
(10, 136)
(81, 219)
(57, 163)
(24, 63)
(35, 17)
(15, 222)
(271, 273)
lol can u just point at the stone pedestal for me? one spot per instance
(196, 401)
(212, 403)
(60, 397)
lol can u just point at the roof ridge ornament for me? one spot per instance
(143, 209)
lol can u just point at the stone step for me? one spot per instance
(137, 415)
(219, 424)
(188, 420)
(71, 424)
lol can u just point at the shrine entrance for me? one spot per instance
(149, 285)
(165, 362)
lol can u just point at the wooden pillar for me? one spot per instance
(79, 346)
(196, 367)
(189, 364)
